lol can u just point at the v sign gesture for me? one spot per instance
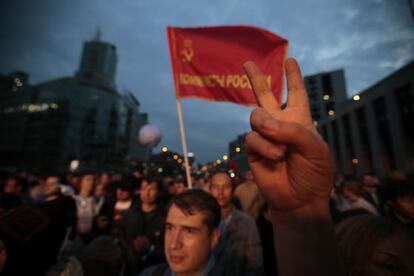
(293, 169)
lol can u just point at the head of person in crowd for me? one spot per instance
(399, 196)
(86, 185)
(138, 171)
(50, 186)
(369, 180)
(104, 178)
(339, 179)
(371, 245)
(124, 196)
(124, 189)
(150, 188)
(35, 189)
(74, 181)
(12, 186)
(101, 190)
(203, 183)
(352, 190)
(171, 188)
(191, 231)
(180, 185)
(165, 181)
(222, 189)
(248, 176)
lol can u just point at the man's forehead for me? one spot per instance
(177, 216)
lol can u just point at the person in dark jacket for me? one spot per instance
(142, 227)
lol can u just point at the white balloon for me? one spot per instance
(149, 135)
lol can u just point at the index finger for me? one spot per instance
(262, 92)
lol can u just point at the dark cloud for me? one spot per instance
(370, 39)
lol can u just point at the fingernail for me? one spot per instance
(275, 153)
(248, 64)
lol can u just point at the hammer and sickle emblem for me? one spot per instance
(188, 51)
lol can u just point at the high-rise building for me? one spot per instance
(326, 90)
(373, 131)
(98, 63)
(84, 117)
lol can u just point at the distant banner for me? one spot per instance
(208, 62)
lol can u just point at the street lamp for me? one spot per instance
(356, 98)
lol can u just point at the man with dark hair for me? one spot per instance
(142, 226)
(190, 235)
(114, 208)
(399, 196)
(239, 250)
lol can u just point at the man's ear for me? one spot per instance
(215, 237)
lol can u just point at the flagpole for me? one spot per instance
(184, 143)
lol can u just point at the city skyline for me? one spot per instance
(369, 40)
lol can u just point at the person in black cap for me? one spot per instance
(113, 210)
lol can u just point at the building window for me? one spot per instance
(405, 100)
(324, 133)
(327, 85)
(363, 134)
(387, 157)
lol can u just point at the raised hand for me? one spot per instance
(290, 161)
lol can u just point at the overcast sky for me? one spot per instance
(369, 39)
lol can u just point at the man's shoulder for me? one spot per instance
(242, 186)
(246, 187)
(157, 270)
(241, 222)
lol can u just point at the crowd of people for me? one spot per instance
(103, 224)
(288, 215)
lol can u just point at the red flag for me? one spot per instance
(208, 62)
